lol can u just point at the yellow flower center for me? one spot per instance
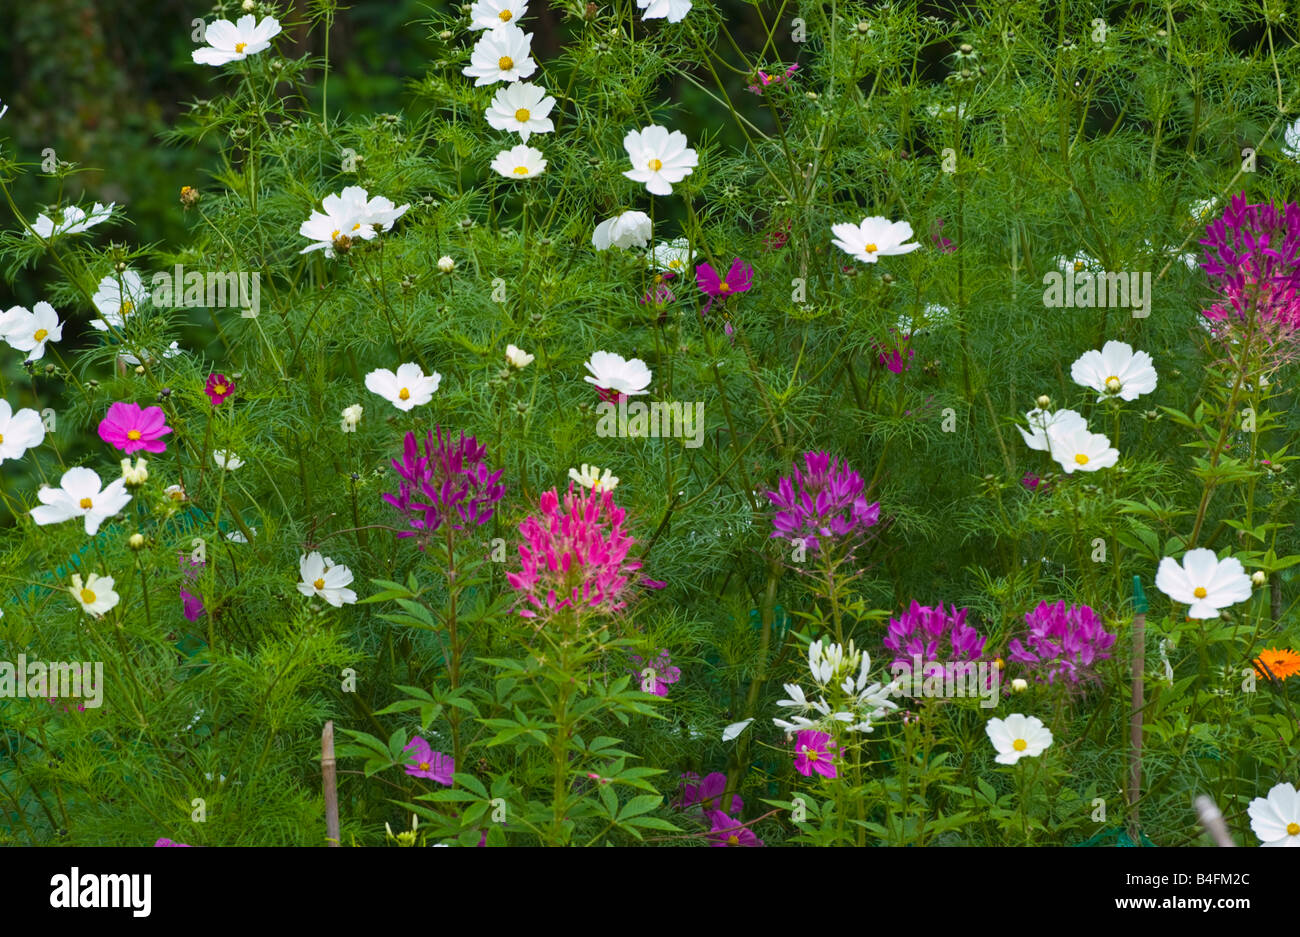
(1112, 383)
(2, 439)
(1078, 266)
(86, 504)
(133, 434)
(724, 287)
(319, 583)
(218, 389)
(334, 235)
(1200, 592)
(812, 755)
(240, 46)
(40, 335)
(733, 840)
(87, 597)
(1293, 829)
(1020, 745)
(655, 165)
(356, 226)
(871, 248)
(521, 170)
(505, 63)
(424, 766)
(1081, 459)
(126, 308)
(504, 16)
(522, 115)
(403, 394)
(675, 264)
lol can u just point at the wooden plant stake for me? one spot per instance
(330, 777)
(1135, 720)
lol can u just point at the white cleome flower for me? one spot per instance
(19, 431)
(118, 298)
(672, 10)
(630, 229)
(589, 476)
(1203, 582)
(495, 14)
(1079, 450)
(80, 495)
(517, 358)
(231, 42)
(1115, 371)
(501, 55)
(873, 237)
(659, 158)
(1042, 423)
(520, 162)
(409, 387)
(31, 331)
(95, 595)
(320, 576)
(612, 372)
(1018, 736)
(226, 460)
(74, 221)
(522, 108)
(1276, 819)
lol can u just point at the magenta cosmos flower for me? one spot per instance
(707, 793)
(738, 279)
(449, 482)
(218, 388)
(574, 555)
(813, 752)
(426, 763)
(130, 429)
(164, 841)
(1063, 641)
(825, 499)
(729, 832)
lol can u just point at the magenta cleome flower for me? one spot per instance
(1063, 641)
(813, 751)
(729, 832)
(219, 388)
(1252, 257)
(933, 634)
(574, 555)
(131, 429)
(661, 667)
(448, 482)
(426, 763)
(826, 499)
(707, 794)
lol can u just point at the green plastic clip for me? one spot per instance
(1139, 597)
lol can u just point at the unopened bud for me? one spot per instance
(1258, 577)
(136, 541)
(1044, 402)
(1019, 685)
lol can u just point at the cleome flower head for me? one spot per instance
(823, 500)
(847, 697)
(933, 634)
(1062, 642)
(450, 482)
(574, 555)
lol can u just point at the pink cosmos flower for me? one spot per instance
(575, 555)
(813, 752)
(729, 832)
(765, 79)
(164, 841)
(739, 278)
(218, 388)
(936, 235)
(707, 793)
(130, 429)
(426, 763)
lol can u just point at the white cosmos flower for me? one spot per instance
(1276, 819)
(320, 576)
(1042, 423)
(1203, 582)
(630, 229)
(79, 495)
(933, 315)
(409, 387)
(19, 431)
(352, 214)
(674, 10)
(351, 417)
(75, 220)
(226, 460)
(1018, 736)
(231, 42)
(520, 162)
(873, 238)
(671, 256)
(1079, 450)
(521, 108)
(495, 14)
(612, 372)
(658, 158)
(30, 331)
(117, 299)
(733, 731)
(516, 357)
(589, 476)
(501, 55)
(1079, 263)
(172, 351)
(95, 595)
(1116, 370)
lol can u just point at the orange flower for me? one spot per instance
(1282, 663)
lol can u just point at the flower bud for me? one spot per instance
(248, 6)
(446, 264)
(1019, 685)
(189, 196)
(1258, 577)
(1044, 402)
(136, 541)
(136, 475)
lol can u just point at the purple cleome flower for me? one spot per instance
(827, 499)
(1062, 642)
(1252, 257)
(450, 482)
(933, 634)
